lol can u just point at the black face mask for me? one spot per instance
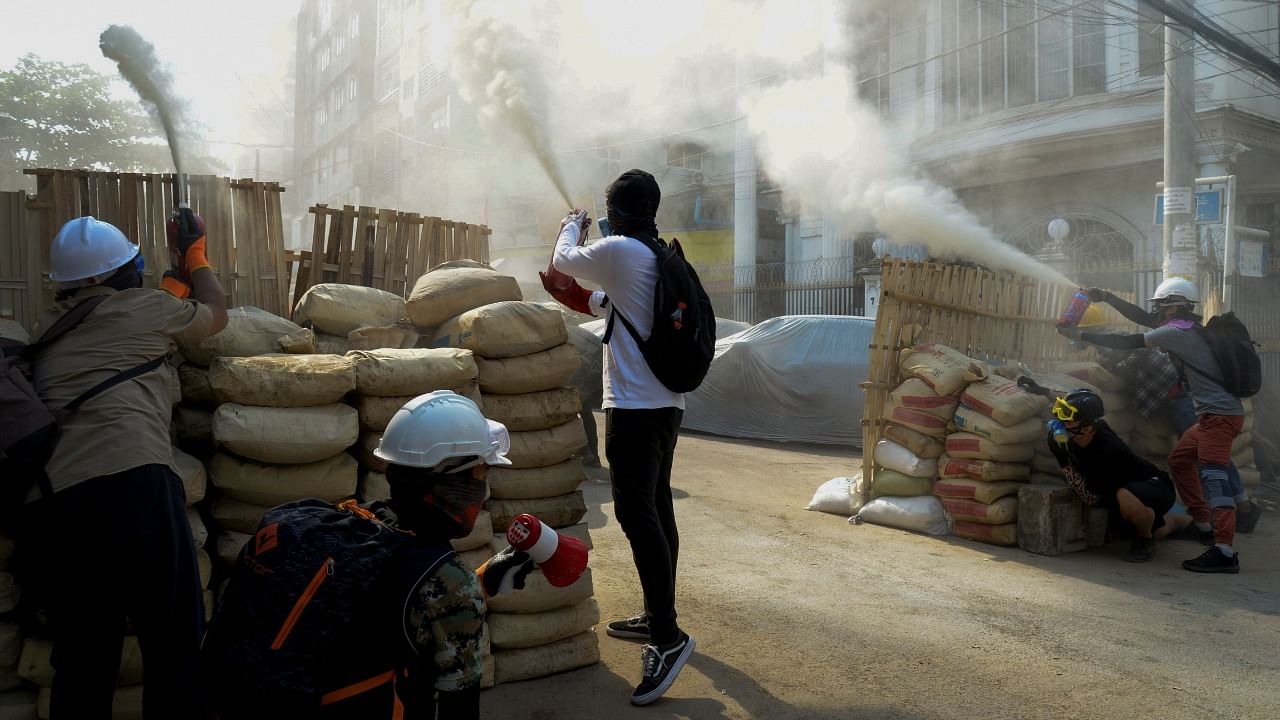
(632, 204)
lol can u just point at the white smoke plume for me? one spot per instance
(139, 64)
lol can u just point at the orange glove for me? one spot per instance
(186, 234)
(173, 284)
(566, 290)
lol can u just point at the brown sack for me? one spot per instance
(452, 288)
(543, 448)
(282, 380)
(332, 480)
(504, 329)
(395, 372)
(544, 370)
(533, 411)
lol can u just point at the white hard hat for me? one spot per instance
(86, 248)
(432, 428)
(1176, 289)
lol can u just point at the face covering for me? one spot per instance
(632, 204)
(460, 497)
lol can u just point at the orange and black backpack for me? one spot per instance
(305, 625)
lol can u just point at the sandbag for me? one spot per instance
(228, 544)
(364, 448)
(970, 446)
(978, 490)
(10, 592)
(478, 537)
(571, 653)
(199, 533)
(534, 411)
(302, 342)
(1006, 534)
(337, 309)
(394, 372)
(1093, 374)
(374, 486)
(544, 370)
(949, 467)
(1003, 401)
(376, 412)
(1144, 444)
(1155, 427)
(452, 288)
(896, 457)
(538, 595)
(1243, 441)
(834, 496)
(237, 516)
(1244, 457)
(126, 703)
(941, 368)
(1114, 402)
(195, 384)
(522, 630)
(543, 448)
(285, 435)
(10, 643)
(971, 421)
(921, 422)
(504, 329)
(918, 514)
(400, 335)
(507, 483)
(917, 442)
(34, 665)
(192, 473)
(192, 427)
(1047, 464)
(331, 480)
(204, 566)
(249, 331)
(1123, 422)
(556, 511)
(999, 512)
(1250, 477)
(475, 557)
(891, 483)
(282, 380)
(915, 394)
(331, 344)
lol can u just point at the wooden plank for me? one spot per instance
(346, 243)
(256, 250)
(309, 268)
(429, 254)
(223, 207)
(380, 275)
(360, 244)
(275, 221)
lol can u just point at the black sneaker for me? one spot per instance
(1191, 532)
(1213, 561)
(633, 628)
(1247, 521)
(1141, 550)
(659, 667)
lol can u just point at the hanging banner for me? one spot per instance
(1177, 200)
(1184, 238)
(1251, 259)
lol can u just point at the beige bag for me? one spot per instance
(1003, 401)
(195, 384)
(331, 480)
(941, 368)
(479, 536)
(520, 484)
(917, 442)
(193, 476)
(331, 344)
(397, 373)
(192, 426)
(249, 331)
(975, 447)
(538, 595)
(921, 422)
(364, 452)
(453, 288)
(374, 486)
(949, 467)
(543, 448)
(1000, 512)
(915, 394)
(557, 511)
(504, 329)
(376, 412)
(228, 544)
(242, 517)
(544, 370)
(35, 666)
(1006, 534)
(282, 380)
(338, 309)
(385, 337)
(522, 630)
(533, 411)
(1093, 374)
(199, 533)
(977, 490)
(285, 436)
(971, 421)
(578, 651)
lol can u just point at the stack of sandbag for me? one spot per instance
(1242, 452)
(35, 667)
(282, 431)
(353, 317)
(989, 454)
(194, 482)
(1116, 397)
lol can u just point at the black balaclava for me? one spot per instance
(435, 505)
(631, 204)
(126, 277)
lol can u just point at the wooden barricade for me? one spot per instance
(381, 248)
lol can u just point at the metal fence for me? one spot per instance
(827, 286)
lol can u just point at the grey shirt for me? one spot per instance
(1200, 368)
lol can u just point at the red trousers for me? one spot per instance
(1198, 465)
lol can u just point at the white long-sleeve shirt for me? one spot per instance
(626, 271)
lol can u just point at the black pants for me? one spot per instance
(640, 445)
(112, 549)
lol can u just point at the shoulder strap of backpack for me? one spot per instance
(66, 323)
(656, 246)
(111, 382)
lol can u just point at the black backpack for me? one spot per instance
(1236, 353)
(683, 341)
(28, 428)
(291, 632)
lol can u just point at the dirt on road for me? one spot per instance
(799, 614)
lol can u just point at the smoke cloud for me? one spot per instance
(138, 63)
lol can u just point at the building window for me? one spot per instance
(1053, 52)
(324, 58)
(1089, 51)
(1021, 50)
(354, 25)
(389, 79)
(352, 88)
(339, 44)
(891, 68)
(685, 155)
(1150, 48)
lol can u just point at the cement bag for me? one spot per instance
(533, 411)
(1115, 402)
(893, 456)
(571, 653)
(204, 565)
(1000, 512)
(1147, 445)
(331, 344)
(1003, 401)
(193, 476)
(394, 372)
(285, 436)
(941, 368)
(10, 643)
(338, 309)
(504, 329)
(1046, 464)
(479, 535)
(195, 384)
(1006, 534)
(949, 467)
(1250, 477)
(192, 426)
(977, 490)
(34, 667)
(10, 592)
(199, 533)
(921, 422)
(1156, 427)
(282, 380)
(917, 442)
(332, 480)
(543, 448)
(512, 630)
(472, 559)
(971, 421)
(1244, 457)
(523, 483)
(126, 703)
(364, 452)
(890, 483)
(834, 496)
(917, 514)
(237, 516)
(302, 342)
(1093, 374)
(1123, 422)
(228, 545)
(973, 447)
(377, 338)
(374, 486)
(453, 288)
(556, 511)
(914, 394)
(376, 412)
(538, 595)
(249, 331)
(544, 370)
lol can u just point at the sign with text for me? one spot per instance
(1208, 207)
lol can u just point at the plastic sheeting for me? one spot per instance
(791, 378)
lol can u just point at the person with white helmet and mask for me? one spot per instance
(1200, 461)
(116, 492)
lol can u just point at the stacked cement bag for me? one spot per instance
(352, 317)
(35, 667)
(282, 432)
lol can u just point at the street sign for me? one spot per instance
(1208, 207)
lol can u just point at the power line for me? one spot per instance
(1225, 41)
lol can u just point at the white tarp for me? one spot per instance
(791, 378)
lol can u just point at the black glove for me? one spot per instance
(1033, 387)
(1071, 333)
(185, 227)
(1098, 295)
(505, 572)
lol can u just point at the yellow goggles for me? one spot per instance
(1064, 410)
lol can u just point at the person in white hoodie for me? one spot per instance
(642, 415)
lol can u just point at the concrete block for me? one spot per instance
(1051, 520)
(1097, 520)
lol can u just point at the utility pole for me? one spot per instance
(1181, 244)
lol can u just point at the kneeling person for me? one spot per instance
(1103, 471)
